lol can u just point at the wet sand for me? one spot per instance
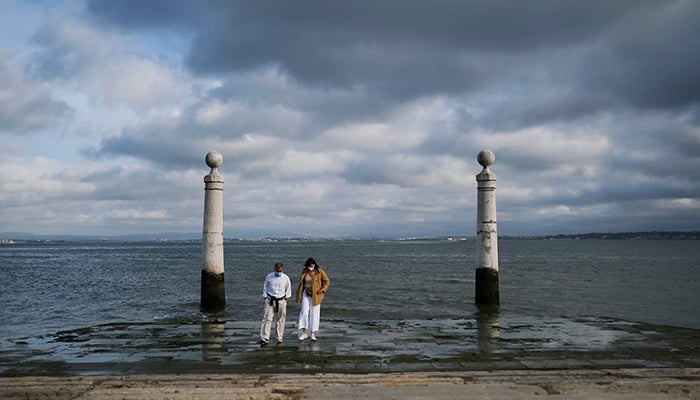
(490, 356)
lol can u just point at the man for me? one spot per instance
(277, 290)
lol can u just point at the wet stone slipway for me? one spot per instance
(484, 343)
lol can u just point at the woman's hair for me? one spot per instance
(310, 261)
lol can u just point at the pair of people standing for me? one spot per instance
(313, 284)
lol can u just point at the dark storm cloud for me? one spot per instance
(152, 14)
(25, 114)
(26, 106)
(137, 186)
(315, 40)
(541, 61)
(172, 153)
(653, 55)
(372, 171)
(616, 190)
(366, 116)
(687, 145)
(407, 49)
(400, 46)
(589, 56)
(54, 59)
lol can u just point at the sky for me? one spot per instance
(354, 118)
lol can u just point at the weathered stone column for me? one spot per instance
(213, 292)
(486, 233)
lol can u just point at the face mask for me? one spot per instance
(310, 268)
(278, 274)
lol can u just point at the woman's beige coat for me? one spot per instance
(319, 286)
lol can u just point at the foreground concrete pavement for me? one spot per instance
(508, 357)
(647, 383)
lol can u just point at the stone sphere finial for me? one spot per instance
(214, 159)
(486, 158)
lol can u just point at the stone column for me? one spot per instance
(486, 233)
(213, 292)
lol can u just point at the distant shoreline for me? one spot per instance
(22, 237)
(647, 235)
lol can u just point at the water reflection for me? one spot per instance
(488, 328)
(213, 341)
(308, 346)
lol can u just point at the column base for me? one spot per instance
(486, 287)
(213, 292)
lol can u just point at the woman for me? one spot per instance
(312, 288)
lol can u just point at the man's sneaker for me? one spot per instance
(313, 337)
(263, 342)
(303, 336)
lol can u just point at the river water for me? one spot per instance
(53, 286)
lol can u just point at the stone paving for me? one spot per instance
(617, 384)
(495, 357)
(506, 343)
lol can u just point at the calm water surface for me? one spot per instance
(52, 286)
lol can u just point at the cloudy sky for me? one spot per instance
(349, 118)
